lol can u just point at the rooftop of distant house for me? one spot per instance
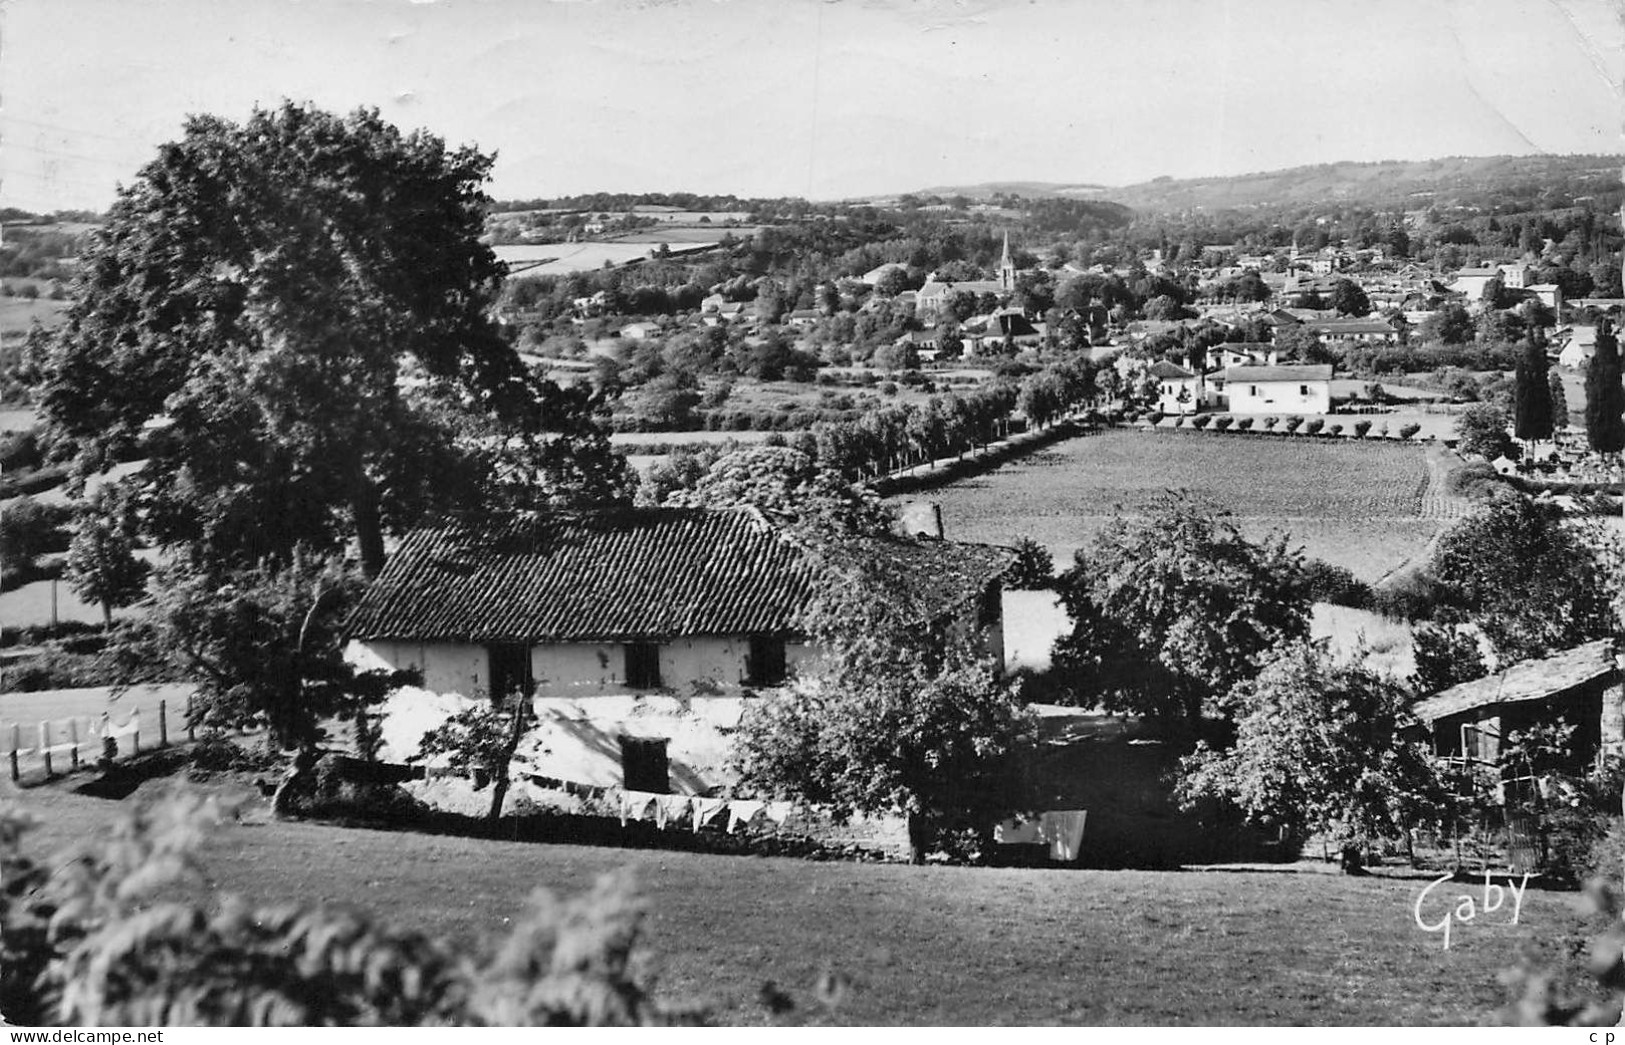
(1264, 374)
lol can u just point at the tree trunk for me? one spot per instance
(107, 616)
(369, 528)
(918, 840)
(499, 793)
(499, 773)
(299, 774)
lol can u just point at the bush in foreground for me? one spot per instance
(94, 941)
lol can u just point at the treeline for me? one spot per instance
(883, 441)
(38, 253)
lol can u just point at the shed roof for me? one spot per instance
(655, 573)
(1529, 680)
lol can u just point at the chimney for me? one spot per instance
(921, 519)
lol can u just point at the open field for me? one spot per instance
(1365, 507)
(924, 946)
(561, 259)
(18, 419)
(18, 314)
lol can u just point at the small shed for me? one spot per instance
(1581, 686)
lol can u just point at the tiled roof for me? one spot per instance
(656, 573)
(1257, 374)
(1351, 326)
(1162, 368)
(1525, 681)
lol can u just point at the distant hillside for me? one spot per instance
(1031, 190)
(1458, 180)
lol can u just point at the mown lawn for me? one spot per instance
(934, 945)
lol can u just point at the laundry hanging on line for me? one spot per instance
(1063, 830)
(742, 812)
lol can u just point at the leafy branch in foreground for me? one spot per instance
(96, 941)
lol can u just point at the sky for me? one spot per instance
(819, 98)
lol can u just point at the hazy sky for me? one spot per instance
(819, 98)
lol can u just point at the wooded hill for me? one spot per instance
(1493, 184)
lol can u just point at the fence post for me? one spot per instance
(163, 724)
(16, 774)
(16, 742)
(45, 746)
(73, 739)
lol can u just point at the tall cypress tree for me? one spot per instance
(1560, 401)
(1531, 395)
(1605, 396)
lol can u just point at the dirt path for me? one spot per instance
(1437, 504)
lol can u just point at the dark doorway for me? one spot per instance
(765, 665)
(510, 670)
(643, 665)
(644, 765)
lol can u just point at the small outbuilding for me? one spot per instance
(1579, 686)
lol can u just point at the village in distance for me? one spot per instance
(1199, 571)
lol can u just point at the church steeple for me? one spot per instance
(1007, 268)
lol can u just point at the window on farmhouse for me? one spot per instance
(509, 665)
(765, 664)
(643, 665)
(1303, 390)
(1252, 389)
(644, 764)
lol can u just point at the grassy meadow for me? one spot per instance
(922, 946)
(1370, 508)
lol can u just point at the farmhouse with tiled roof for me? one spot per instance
(639, 633)
(679, 599)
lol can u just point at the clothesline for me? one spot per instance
(666, 809)
(1061, 830)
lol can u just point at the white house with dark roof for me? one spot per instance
(1471, 281)
(1279, 389)
(638, 634)
(1179, 391)
(685, 600)
(1370, 330)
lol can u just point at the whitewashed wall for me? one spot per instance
(1279, 397)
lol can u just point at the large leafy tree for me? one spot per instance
(1482, 429)
(1173, 608)
(102, 564)
(787, 484)
(1530, 581)
(897, 717)
(1605, 395)
(264, 647)
(1349, 299)
(1319, 747)
(282, 315)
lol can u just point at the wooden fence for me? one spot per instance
(63, 745)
